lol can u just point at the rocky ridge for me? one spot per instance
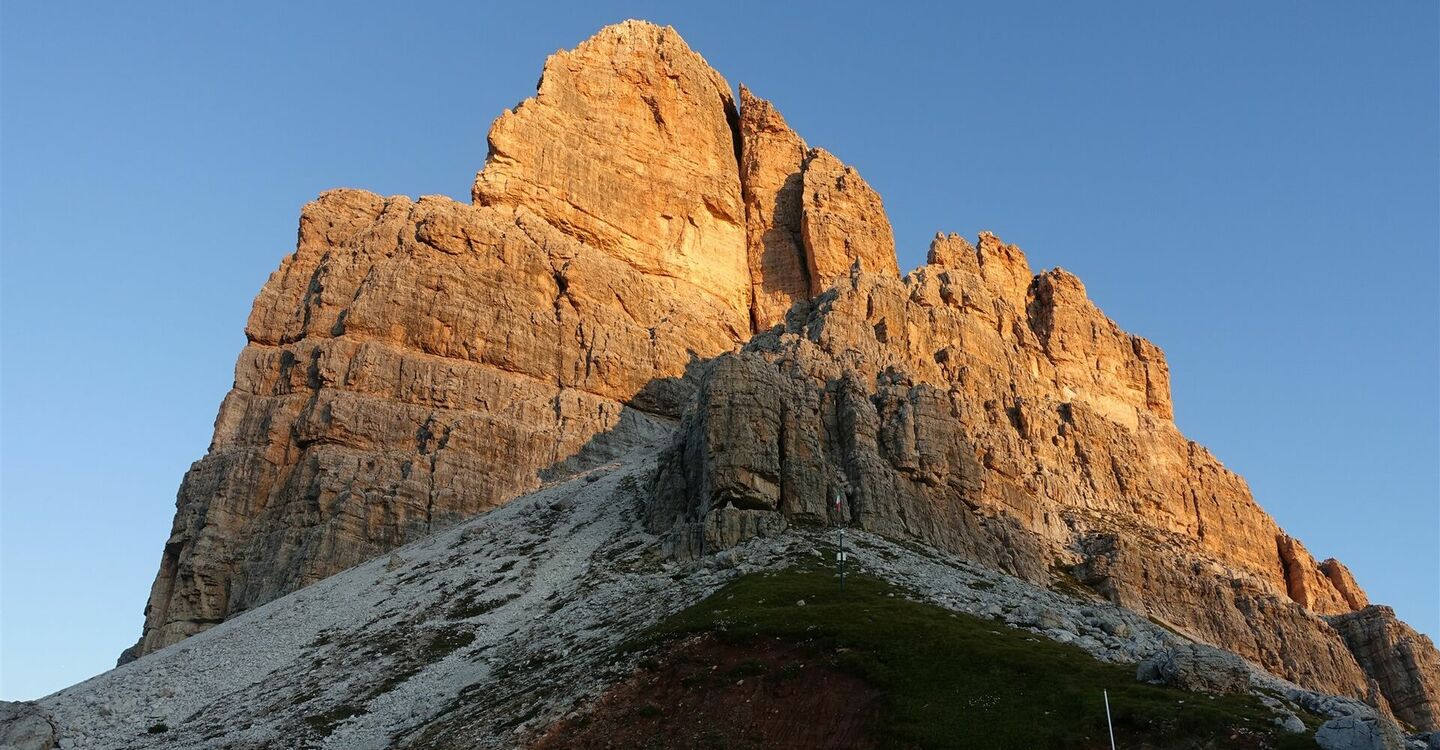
(641, 253)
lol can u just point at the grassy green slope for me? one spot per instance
(953, 681)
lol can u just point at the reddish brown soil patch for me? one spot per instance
(704, 693)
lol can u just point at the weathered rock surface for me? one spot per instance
(998, 414)
(1354, 733)
(772, 159)
(415, 362)
(26, 726)
(1325, 588)
(1164, 576)
(1290, 723)
(843, 223)
(1344, 583)
(1196, 667)
(809, 218)
(1402, 662)
(628, 147)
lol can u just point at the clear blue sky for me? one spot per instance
(1253, 186)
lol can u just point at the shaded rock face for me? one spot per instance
(768, 446)
(1164, 576)
(1402, 662)
(415, 362)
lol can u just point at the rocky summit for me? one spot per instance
(655, 276)
(417, 362)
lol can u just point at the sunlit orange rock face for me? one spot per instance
(645, 261)
(415, 362)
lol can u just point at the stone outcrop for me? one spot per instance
(1117, 375)
(1165, 576)
(639, 248)
(417, 362)
(26, 726)
(1344, 583)
(767, 446)
(1326, 588)
(1197, 668)
(1355, 733)
(1402, 662)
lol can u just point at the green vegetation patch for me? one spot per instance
(954, 681)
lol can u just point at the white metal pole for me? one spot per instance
(1108, 725)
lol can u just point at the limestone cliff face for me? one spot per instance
(638, 248)
(772, 158)
(629, 147)
(417, 362)
(809, 218)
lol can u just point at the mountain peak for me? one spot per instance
(646, 267)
